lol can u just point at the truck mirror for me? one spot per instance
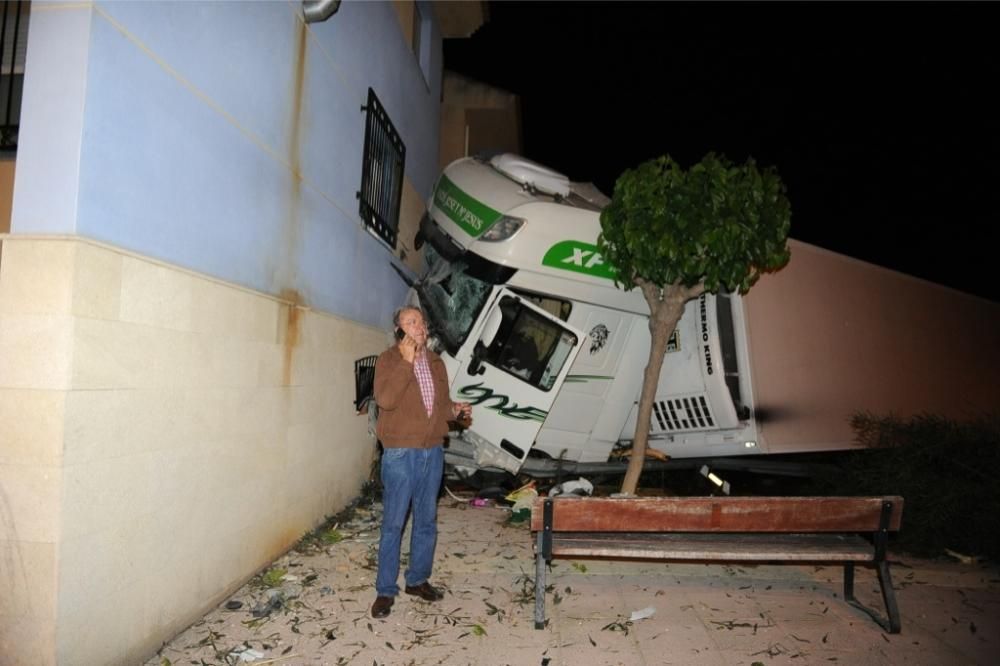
(490, 328)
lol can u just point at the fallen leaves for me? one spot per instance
(621, 624)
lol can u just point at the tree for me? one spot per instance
(677, 234)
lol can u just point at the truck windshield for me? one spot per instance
(452, 299)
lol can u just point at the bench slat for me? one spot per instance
(718, 514)
(734, 547)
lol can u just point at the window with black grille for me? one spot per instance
(381, 173)
(13, 40)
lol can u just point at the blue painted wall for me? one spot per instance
(227, 137)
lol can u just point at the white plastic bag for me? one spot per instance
(580, 488)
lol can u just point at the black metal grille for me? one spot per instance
(382, 172)
(690, 413)
(13, 28)
(364, 381)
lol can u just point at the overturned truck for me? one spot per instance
(536, 335)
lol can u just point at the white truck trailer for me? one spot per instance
(550, 352)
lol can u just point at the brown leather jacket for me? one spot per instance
(402, 417)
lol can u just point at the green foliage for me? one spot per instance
(716, 223)
(947, 473)
(272, 577)
(331, 535)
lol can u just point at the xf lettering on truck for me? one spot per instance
(703, 311)
(579, 257)
(579, 254)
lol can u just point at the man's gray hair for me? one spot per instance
(399, 313)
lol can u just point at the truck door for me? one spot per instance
(513, 374)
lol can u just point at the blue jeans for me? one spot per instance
(410, 477)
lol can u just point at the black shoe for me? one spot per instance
(382, 606)
(425, 591)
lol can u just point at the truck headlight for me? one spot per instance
(502, 229)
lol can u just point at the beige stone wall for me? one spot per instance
(163, 435)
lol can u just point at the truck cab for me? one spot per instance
(547, 347)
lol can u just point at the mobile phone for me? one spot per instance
(400, 334)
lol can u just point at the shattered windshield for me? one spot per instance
(451, 298)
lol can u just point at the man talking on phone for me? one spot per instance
(411, 391)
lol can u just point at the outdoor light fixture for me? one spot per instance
(502, 229)
(708, 474)
(750, 445)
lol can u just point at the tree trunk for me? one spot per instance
(666, 307)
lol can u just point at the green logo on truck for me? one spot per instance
(503, 405)
(472, 216)
(579, 257)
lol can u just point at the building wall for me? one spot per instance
(831, 336)
(225, 138)
(476, 117)
(166, 435)
(183, 293)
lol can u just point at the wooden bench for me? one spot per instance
(848, 530)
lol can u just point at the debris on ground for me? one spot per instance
(964, 559)
(248, 655)
(579, 488)
(273, 600)
(642, 614)
(317, 610)
(523, 499)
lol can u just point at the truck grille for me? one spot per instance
(690, 413)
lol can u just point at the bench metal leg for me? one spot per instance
(889, 596)
(893, 625)
(539, 585)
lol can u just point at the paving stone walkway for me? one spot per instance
(312, 608)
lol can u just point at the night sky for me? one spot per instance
(881, 118)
